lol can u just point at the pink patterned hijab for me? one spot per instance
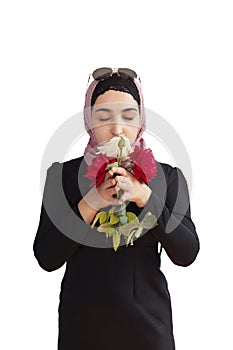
(91, 147)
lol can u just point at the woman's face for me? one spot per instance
(115, 113)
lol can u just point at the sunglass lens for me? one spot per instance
(101, 73)
(126, 72)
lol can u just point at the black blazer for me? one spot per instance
(107, 295)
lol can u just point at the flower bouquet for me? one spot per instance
(141, 163)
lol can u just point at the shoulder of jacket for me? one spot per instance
(67, 164)
(166, 168)
(171, 172)
(169, 168)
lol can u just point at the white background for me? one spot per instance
(183, 52)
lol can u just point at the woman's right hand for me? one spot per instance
(102, 196)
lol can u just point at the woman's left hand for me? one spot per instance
(134, 191)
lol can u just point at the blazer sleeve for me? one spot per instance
(51, 247)
(175, 230)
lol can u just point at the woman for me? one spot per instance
(108, 299)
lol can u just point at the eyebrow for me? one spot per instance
(110, 110)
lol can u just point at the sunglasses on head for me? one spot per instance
(106, 72)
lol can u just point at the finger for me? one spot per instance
(110, 182)
(107, 176)
(121, 178)
(123, 186)
(110, 173)
(127, 188)
(111, 190)
(119, 170)
(124, 182)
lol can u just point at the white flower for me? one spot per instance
(111, 148)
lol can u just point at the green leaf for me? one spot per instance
(135, 232)
(111, 211)
(149, 221)
(103, 217)
(96, 218)
(109, 231)
(116, 239)
(132, 217)
(104, 227)
(126, 229)
(114, 219)
(138, 232)
(109, 166)
(130, 237)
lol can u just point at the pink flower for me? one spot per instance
(96, 171)
(145, 167)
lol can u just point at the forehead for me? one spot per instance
(116, 99)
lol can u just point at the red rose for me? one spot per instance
(145, 167)
(96, 171)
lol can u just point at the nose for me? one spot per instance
(117, 129)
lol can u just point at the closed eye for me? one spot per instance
(104, 120)
(128, 118)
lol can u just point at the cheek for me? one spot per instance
(101, 133)
(133, 130)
